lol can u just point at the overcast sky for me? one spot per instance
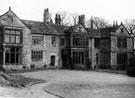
(108, 9)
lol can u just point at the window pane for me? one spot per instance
(7, 38)
(12, 39)
(12, 58)
(12, 32)
(13, 55)
(18, 50)
(37, 55)
(18, 32)
(7, 49)
(54, 41)
(7, 58)
(18, 58)
(7, 31)
(37, 40)
(17, 39)
(12, 49)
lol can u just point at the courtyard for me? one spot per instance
(75, 84)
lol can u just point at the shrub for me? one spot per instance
(32, 66)
(132, 62)
(131, 71)
(131, 67)
(105, 66)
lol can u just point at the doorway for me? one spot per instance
(52, 63)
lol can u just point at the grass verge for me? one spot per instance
(17, 81)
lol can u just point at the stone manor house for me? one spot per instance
(24, 43)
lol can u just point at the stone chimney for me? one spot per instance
(114, 23)
(46, 16)
(57, 19)
(91, 22)
(81, 20)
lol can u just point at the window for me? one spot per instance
(12, 36)
(54, 41)
(79, 57)
(96, 42)
(122, 58)
(37, 55)
(80, 40)
(37, 40)
(62, 41)
(121, 42)
(12, 55)
(121, 30)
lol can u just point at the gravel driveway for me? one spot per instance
(75, 84)
(86, 84)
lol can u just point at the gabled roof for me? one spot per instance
(37, 27)
(76, 28)
(12, 13)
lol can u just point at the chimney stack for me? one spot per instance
(91, 22)
(114, 23)
(57, 19)
(46, 16)
(81, 20)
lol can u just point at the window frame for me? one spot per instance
(13, 54)
(80, 40)
(37, 40)
(53, 41)
(37, 55)
(12, 33)
(121, 42)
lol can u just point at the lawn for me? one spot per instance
(17, 81)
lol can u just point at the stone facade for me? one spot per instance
(10, 21)
(118, 42)
(54, 45)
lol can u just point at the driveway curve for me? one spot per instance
(82, 84)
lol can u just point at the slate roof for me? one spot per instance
(60, 28)
(93, 33)
(40, 27)
(105, 32)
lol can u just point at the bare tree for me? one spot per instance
(65, 17)
(97, 22)
(130, 24)
(74, 17)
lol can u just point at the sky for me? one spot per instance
(108, 9)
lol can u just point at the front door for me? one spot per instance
(53, 60)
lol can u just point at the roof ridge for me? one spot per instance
(32, 20)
